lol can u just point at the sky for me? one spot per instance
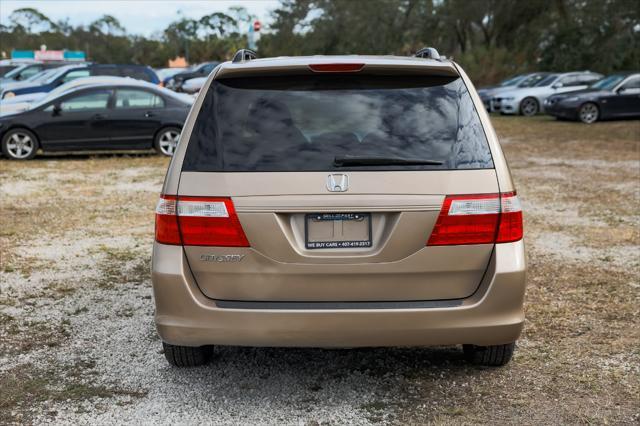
(142, 17)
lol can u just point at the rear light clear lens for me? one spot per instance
(478, 219)
(198, 221)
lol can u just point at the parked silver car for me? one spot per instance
(522, 80)
(529, 101)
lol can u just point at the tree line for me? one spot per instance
(490, 38)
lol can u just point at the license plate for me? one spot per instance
(337, 230)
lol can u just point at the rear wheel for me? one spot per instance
(167, 140)
(589, 113)
(529, 107)
(19, 144)
(493, 356)
(187, 356)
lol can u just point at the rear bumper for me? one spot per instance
(492, 315)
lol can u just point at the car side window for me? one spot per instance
(29, 72)
(633, 83)
(86, 101)
(72, 75)
(570, 80)
(586, 79)
(131, 98)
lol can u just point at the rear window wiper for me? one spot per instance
(352, 160)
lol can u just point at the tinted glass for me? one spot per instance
(304, 123)
(30, 72)
(72, 75)
(110, 71)
(512, 81)
(570, 80)
(633, 83)
(4, 69)
(130, 98)
(531, 80)
(86, 101)
(547, 81)
(608, 83)
(138, 73)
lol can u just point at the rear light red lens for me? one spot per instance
(336, 67)
(478, 219)
(199, 221)
(511, 228)
(166, 221)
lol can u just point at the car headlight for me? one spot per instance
(8, 95)
(572, 99)
(508, 98)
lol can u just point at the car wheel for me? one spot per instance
(493, 356)
(529, 107)
(589, 113)
(19, 144)
(167, 141)
(187, 356)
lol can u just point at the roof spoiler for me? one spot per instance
(428, 53)
(244, 55)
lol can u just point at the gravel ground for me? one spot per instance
(78, 344)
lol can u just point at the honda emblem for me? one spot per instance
(338, 183)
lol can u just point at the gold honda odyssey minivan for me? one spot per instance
(338, 201)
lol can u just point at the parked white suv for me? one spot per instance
(529, 101)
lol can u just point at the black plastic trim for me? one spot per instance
(418, 304)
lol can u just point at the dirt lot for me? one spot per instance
(78, 345)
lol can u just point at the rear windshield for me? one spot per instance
(307, 123)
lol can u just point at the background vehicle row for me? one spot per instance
(128, 115)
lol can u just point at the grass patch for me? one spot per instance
(27, 386)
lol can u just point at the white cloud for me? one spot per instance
(138, 16)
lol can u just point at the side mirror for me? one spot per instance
(557, 86)
(57, 109)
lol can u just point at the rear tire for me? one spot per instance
(166, 140)
(529, 107)
(187, 356)
(19, 144)
(491, 356)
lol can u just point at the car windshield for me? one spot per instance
(42, 76)
(5, 69)
(512, 81)
(15, 71)
(547, 81)
(607, 83)
(309, 123)
(531, 80)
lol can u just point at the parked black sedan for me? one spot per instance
(126, 116)
(615, 96)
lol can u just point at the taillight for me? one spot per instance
(478, 219)
(336, 67)
(198, 221)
